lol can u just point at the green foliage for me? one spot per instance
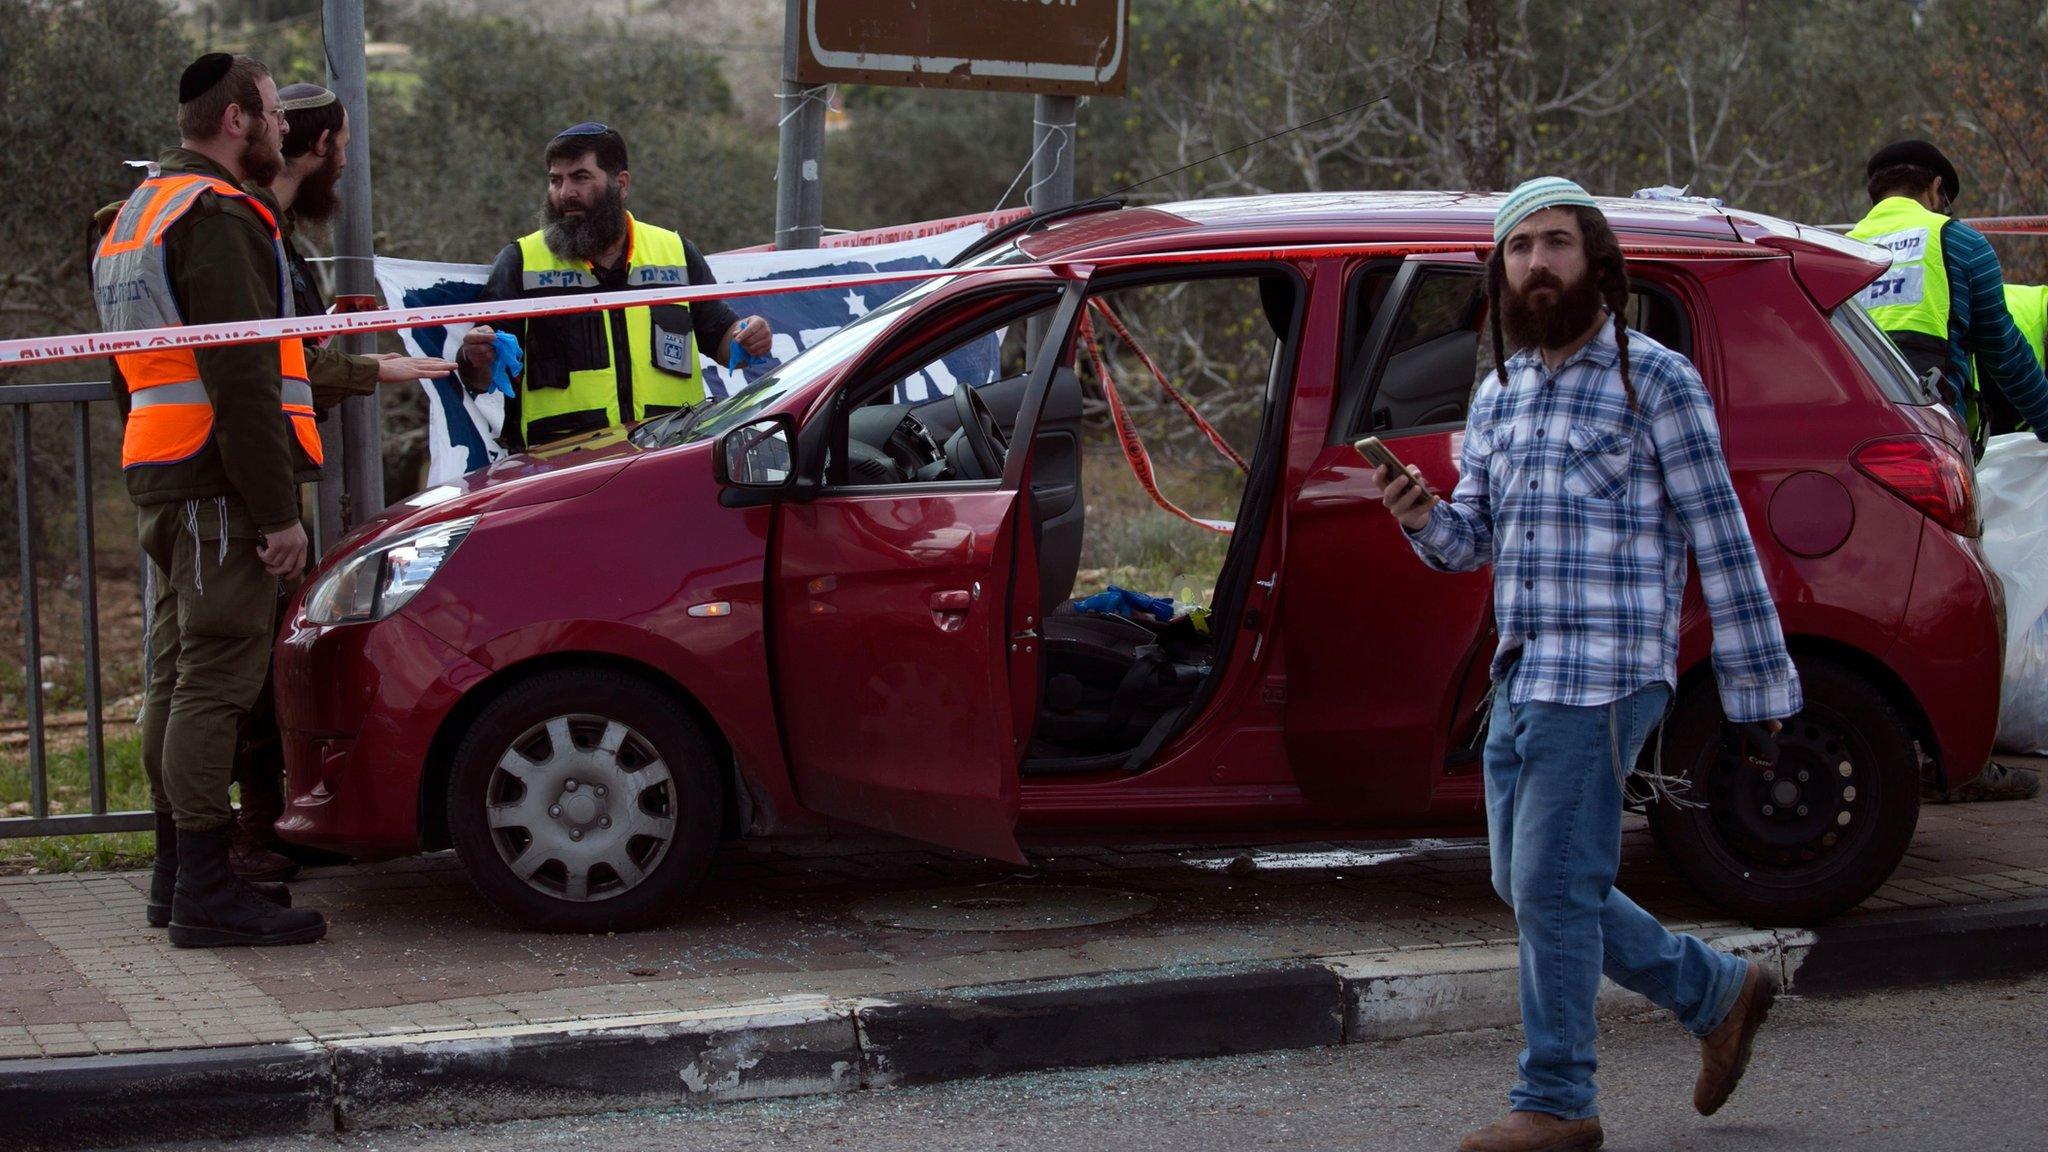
(70, 791)
(1132, 542)
(1993, 56)
(88, 84)
(458, 124)
(917, 155)
(70, 774)
(456, 152)
(106, 852)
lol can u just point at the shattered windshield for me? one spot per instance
(715, 416)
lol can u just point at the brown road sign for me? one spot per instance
(1051, 47)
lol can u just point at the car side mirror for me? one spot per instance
(758, 456)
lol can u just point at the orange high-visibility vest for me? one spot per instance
(170, 418)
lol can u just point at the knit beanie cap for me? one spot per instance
(1534, 196)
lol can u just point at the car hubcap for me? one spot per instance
(581, 807)
(1800, 810)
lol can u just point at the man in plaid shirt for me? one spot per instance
(1591, 462)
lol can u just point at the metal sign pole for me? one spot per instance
(799, 197)
(1052, 178)
(1052, 151)
(327, 518)
(362, 416)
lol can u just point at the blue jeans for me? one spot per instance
(1553, 823)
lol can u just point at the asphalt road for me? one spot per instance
(1957, 1068)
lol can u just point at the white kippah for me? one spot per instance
(317, 97)
(1534, 196)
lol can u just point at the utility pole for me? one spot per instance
(799, 197)
(355, 282)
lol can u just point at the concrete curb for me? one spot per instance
(1140, 1016)
(1921, 946)
(194, 1094)
(743, 1053)
(811, 1045)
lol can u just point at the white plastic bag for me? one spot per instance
(2012, 487)
(1667, 192)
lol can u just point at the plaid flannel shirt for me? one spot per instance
(1585, 509)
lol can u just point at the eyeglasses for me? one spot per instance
(587, 128)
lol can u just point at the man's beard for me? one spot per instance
(590, 235)
(261, 161)
(319, 195)
(1554, 324)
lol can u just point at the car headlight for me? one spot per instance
(378, 580)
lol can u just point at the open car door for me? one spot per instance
(905, 618)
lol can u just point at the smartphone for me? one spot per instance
(1380, 456)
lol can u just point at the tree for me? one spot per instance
(456, 148)
(88, 84)
(1991, 61)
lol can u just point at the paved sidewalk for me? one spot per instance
(414, 950)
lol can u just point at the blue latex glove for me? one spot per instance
(739, 358)
(1126, 603)
(506, 363)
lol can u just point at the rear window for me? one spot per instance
(1878, 355)
(1438, 346)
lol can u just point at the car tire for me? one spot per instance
(612, 832)
(1817, 835)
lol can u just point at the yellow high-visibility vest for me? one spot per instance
(570, 384)
(1913, 294)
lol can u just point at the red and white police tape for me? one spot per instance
(87, 345)
(1988, 225)
(1127, 437)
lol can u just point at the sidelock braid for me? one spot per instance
(1496, 279)
(1621, 346)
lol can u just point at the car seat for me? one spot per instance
(1109, 680)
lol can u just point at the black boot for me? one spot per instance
(210, 909)
(163, 877)
(252, 859)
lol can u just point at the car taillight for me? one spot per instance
(1927, 474)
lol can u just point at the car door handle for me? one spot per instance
(949, 608)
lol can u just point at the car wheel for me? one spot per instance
(585, 802)
(1809, 838)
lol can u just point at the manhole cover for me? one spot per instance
(1001, 909)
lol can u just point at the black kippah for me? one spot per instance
(202, 74)
(1920, 154)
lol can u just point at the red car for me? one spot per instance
(810, 605)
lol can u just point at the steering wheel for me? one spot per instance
(990, 447)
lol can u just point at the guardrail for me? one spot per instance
(20, 400)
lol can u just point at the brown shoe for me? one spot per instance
(1998, 782)
(1534, 1132)
(250, 860)
(1724, 1054)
